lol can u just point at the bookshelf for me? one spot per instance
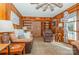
(27, 23)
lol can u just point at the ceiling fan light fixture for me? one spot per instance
(40, 5)
(46, 5)
(51, 7)
(60, 5)
(45, 8)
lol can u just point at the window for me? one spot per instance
(14, 18)
(71, 27)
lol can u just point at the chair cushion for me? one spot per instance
(21, 36)
(27, 35)
(19, 33)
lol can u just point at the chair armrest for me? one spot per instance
(23, 40)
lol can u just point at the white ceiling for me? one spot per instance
(27, 9)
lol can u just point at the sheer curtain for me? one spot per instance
(69, 26)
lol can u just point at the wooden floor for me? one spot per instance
(54, 48)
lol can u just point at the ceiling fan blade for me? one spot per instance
(58, 4)
(45, 8)
(40, 5)
(34, 3)
(51, 7)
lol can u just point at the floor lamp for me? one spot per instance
(6, 27)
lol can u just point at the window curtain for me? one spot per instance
(68, 24)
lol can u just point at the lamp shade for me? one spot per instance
(6, 26)
(60, 25)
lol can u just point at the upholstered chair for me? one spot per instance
(15, 48)
(47, 35)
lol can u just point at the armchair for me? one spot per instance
(14, 48)
(47, 35)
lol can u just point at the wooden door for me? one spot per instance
(36, 28)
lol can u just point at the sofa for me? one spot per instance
(20, 36)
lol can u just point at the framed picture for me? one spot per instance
(54, 23)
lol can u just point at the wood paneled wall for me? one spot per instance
(57, 19)
(36, 18)
(4, 11)
(14, 9)
(73, 8)
(42, 19)
(70, 10)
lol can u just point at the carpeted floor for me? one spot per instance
(53, 48)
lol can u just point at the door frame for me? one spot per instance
(41, 24)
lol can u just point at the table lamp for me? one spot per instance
(6, 27)
(60, 25)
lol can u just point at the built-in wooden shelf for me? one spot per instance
(27, 23)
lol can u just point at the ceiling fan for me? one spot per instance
(46, 6)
